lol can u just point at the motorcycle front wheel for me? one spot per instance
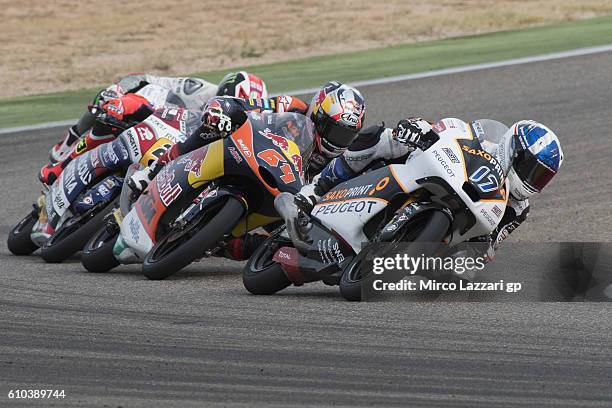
(431, 228)
(18, 240)
(74, 234)
(261, 275)
(97, 255)
(179, 248)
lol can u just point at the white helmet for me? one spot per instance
(537, 158)
(242, 85)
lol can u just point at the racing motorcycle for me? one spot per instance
(451, 192)
(19, 241)
(80, 198)
(204, 198)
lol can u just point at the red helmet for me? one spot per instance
(242, 85)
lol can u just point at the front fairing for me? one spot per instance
(455, 172)
(255, 160)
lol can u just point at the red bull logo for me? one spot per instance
(320, 97)
(276, 139)
(297, 163)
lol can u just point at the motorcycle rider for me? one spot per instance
(536, 159)
(131, 100)
(336, 110)
(116, 109)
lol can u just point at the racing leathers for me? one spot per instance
(231, 112)
(190, 93)
(222, 116)
(378, 143)
(131, 100)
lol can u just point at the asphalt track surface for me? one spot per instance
(198, 339)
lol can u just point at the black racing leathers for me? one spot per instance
(235, 109)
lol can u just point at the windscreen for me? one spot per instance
(193, 121)
(292, 126)
(494, 138)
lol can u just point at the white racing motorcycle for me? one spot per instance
(453, 191)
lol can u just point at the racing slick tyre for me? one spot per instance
(432, 228)
(261, 275)
(18, 240)
(97, 255)
(73, 235)
(177, 249)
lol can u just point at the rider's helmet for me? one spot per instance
(338, 113)
(537, 158)
(242, 85)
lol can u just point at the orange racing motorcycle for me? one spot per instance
(205, 197)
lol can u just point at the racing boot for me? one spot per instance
(42, 230)
(62, 149)
(49, 173)
(241, 248)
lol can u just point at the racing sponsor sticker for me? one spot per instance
(443, 163)
(453, 158)
(245, 148)
(355, 206)
(81, 146)
(329, 251)
(108, 154)
(277, 140)
(133, 145)
(84, 172)
(69, 178)
(348, 192)
(168, 191)
(235, 154)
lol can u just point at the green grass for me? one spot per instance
(354, 66)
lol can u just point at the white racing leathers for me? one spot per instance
(192, 93)
(377, 143)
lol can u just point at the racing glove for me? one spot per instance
(129, 106)
(415, 133)
(140, 179)
(307, 198)
(216, 124)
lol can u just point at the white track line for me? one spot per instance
(41, 126)
(399, 78)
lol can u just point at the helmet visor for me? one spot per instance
(337, 135)
(535, 174)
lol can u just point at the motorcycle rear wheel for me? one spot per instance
(429, 229)
(18, 240)
(97, 253)
(261, 275)
(171, 253)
